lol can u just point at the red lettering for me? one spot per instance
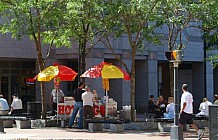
(68, 109)
(61, 109)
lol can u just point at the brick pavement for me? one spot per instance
(52, 133)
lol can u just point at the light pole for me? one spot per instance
(175, 57)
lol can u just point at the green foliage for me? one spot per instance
(130, 17)
(27, 18)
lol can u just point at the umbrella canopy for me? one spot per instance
(106, 71)
(64, 73)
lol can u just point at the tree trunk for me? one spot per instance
(132, 86)
(42, 85)
(43, 99)
(83, 58)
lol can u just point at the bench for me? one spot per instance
(164, 124)
(201, 121)
(21, 122)
(116, 125)
(149, 116)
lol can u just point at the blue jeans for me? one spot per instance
(78, 106)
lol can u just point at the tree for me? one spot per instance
(136, 19)
(209, 18)
(31, 18)
(176, 16)
(79, 25)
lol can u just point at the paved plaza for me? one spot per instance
(56, 133)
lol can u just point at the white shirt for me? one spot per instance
(87, 98)
(188, 98)
(170, 107)
(17, 104)
(59, 93)
(4, 105)
(204, 107)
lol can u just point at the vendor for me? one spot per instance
(56, 95)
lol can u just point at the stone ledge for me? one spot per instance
(137, 126)
(43, 123)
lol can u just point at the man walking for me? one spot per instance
(87, 98)
(187, 110)
(78, 106)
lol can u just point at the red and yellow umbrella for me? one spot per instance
(63, 73)
(106, 71)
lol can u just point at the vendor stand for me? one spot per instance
(106, 71)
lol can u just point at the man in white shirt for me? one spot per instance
(87, 98)
(4, 107)
(187, 110)
(204, 107)
(16, 106)
(57, 96)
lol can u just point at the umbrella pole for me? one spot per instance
(57, 108)
(106, 105)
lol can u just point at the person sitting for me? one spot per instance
(170, 109)
(16, 106)
(153, 108)
(204, 107)
(4, 107)
(161, 103)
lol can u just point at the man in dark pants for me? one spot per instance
(78, 106)
(88, 113)
(187, 110)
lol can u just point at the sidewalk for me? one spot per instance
(55, 133)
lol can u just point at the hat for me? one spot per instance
(14, 95)
(87, 87)
(151, 96)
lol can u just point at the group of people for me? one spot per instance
(15, 108)
(83, 103)
(162, 109)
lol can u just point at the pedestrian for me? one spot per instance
(216, 99)
(78, 106)
(204, 107)
(57, 96)
(4, 107)
(186, 110)
(88, 113)
(16, 106)
(170, 109)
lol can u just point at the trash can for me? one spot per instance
(35, 109)
(213, 122)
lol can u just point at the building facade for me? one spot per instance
(18, 63)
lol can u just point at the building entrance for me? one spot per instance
(5, 87)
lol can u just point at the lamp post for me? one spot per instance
(175, 57)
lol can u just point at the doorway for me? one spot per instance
(5, 89)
